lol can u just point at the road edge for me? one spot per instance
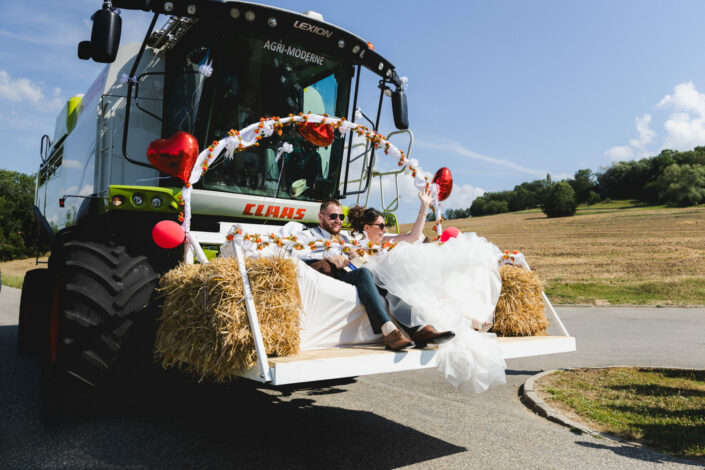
(531, 399)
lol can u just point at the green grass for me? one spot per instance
(664, 408)
(675, 292)
(12, 281)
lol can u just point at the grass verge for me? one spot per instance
(673, 292)
(663, 408)
(12, 280)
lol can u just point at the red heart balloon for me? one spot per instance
(174, 156)
(320, 135)
(444, 180)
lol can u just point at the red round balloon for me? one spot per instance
(444, 180)
(174, 156)
(168, 234)
(450, 232)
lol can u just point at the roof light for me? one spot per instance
(272, 22)
(191, 9)
(356, 49)
(235, 13)
(389, 72)
(341, 44)
(380, 66)
(168, 6)
(314, 14)
(250, 15)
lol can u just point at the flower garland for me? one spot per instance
(237, 141)
(291, 243)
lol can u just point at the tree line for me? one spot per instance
(672, 177)
(17, 229)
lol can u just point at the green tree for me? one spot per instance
(16, 215)
(560, 201)
(682, 185)
(583, 183)
(477, 208)
(496, 207)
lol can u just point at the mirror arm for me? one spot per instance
(130, 84)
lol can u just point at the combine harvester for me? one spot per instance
(213, 67)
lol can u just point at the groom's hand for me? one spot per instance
(340, 261)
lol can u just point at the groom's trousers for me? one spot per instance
(369, 295)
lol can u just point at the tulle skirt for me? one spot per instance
(447, 286)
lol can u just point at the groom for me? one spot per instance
(332, 263)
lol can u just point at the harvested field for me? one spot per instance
(640, 255)
(13, 271)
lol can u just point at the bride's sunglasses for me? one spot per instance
(336, 216)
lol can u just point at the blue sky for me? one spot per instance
(500, 92)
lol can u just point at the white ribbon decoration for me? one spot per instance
(206, 69)
(265, 128)
(404, 83)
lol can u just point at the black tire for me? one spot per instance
(34, 311)
(102, 322)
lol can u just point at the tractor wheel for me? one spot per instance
(34, 311)
(101, 327)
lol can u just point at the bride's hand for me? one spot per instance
(425, 197)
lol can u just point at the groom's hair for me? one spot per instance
(329, 202)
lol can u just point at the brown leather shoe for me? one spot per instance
(428, 334)
(397, 341)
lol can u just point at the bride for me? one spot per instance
(453, 286)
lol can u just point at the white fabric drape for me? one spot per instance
(448, 285)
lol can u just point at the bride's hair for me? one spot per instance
(359, 216)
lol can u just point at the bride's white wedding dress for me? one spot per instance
(447, 286)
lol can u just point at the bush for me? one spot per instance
(560, 201)
(496, 207)
(683, 185)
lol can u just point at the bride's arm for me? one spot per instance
(417, 228)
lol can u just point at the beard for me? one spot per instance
(330, 227)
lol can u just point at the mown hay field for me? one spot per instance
(635, 255)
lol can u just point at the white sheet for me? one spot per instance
(333, 315)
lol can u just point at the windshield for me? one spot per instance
(256, 77)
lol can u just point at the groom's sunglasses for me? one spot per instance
(336, 216)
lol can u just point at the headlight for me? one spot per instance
(118, 201)
(156, 202)
(137, 199)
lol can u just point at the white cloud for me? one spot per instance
(684, 132)
(620, 152)
(25, 90)
(646, 134)
(461, 196)
(685, 127)
(638, 147)
(684, 98)
(458, 149)
(20, 89)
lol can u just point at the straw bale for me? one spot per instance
(520, 309)
(204, 327)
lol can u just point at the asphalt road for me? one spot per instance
(412, 419)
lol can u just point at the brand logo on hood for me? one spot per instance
(312, 28)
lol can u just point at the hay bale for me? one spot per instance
(520, 309)
(204, 327)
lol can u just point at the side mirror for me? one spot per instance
(400, 109)
(105, 37)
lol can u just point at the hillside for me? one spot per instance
(607, 253)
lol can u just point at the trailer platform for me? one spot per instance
(335, 363)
